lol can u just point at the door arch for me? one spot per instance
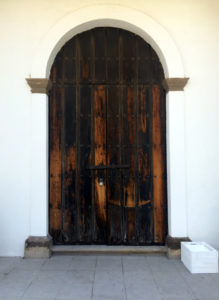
(107, 126)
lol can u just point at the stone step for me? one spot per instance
(107, 250)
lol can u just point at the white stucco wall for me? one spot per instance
(194, 29)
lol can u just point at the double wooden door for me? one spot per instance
(107, 141)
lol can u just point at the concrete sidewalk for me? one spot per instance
(103, 277)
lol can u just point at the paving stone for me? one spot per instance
(19, 275)
(83, 263)
(109, 290)
(180, 298)
(172, 284)
(15, 283)
(43, 288)
(210, 297)
(112, 276)
(103, 278)
(79, 277)
(37, 298)
(57, 263)
(11, 298)
(141, 286)
(169, 281)
(2, 276)
(110, 298)
(11, 259)
(73, 298)
(8, 263)
(75, 291)
(12, 289)
(202, 286)
(136, 276)
(31, 264)
(84, 257)
(109, 263)
(142, 294)
(135, 263)
(60, 258)
(215, 277)
(51, 275)
(138, 279)
(160, 263)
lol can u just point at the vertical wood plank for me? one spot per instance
(129, 150)
(114, 208)
(129, 158)
(99, 58)
(83, 58)
(69, 176)
(100, 159)
(85, 188)
(77, 138)
(129, 57)
(158, 168)
(144, 132)
(144, 209)
(113, 147)
(84, 138)
(69, 53)
(55, 162)
(112, 50)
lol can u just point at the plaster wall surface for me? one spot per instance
(193, 26)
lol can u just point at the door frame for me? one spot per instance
(160, 40)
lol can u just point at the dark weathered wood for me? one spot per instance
(85, 197)
(158, 168)
(100, 159)
(145, 198)
(55, 161)
(107, 141)
(129, 157)
(114, 208)
(69, 172)
(108, 167)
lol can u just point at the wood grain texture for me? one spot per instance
(158, 168)
(55, 164)
(144, 152)
(113, 150)
(100, 155)
(69, 165)
(114, 178)
(129, 151)
(84, 200)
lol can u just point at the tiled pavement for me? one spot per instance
(103, 277)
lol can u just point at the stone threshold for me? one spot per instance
(107, 250)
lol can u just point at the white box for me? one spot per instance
(199, 257)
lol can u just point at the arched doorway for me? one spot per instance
(107, 141)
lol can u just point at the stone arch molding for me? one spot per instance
(153, 33)
(107, 15)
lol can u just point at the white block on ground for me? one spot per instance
(199, 257)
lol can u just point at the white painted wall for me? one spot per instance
(194, 28)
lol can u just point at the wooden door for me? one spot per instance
(107, 141)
